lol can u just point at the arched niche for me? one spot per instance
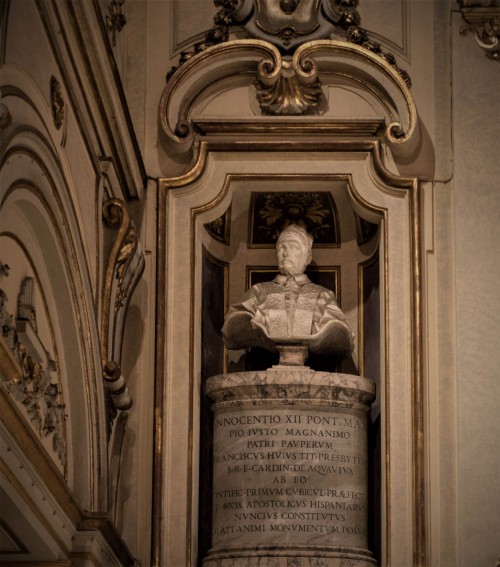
(37, 214)
(354, 172)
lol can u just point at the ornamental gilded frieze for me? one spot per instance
(37, 387)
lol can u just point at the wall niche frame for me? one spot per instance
(201, 195)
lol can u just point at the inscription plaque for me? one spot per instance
(290, 466)
(290, 476)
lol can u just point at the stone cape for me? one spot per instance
(265, 316)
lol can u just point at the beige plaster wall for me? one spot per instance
(476, 131)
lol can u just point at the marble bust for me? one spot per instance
(289, 310)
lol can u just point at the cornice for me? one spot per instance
(53, 480)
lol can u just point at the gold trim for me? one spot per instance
(195, 211)
(116, 215)
(394, 131)
(160, 382)
(418, 417)
(285, 126)
(484, 23)
(374, 150)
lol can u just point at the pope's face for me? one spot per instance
(293, 256)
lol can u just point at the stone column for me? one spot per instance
(290, 469)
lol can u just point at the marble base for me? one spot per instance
(291, 557)
(290, 468)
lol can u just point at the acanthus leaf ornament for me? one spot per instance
(291, 92)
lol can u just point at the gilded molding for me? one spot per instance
(484, 23)
(244, 60)
(335, 56)
(214, 66)
(125, 265)
(290, 92)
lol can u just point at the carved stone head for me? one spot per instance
(294, 250)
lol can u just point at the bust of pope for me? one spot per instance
(289, 309)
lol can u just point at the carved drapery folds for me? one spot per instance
(36, 385)
(125, 265)
(482, 18)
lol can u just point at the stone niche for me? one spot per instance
(290, 468)
(288, 453)
(368, 277)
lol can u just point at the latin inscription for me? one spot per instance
(290, 476)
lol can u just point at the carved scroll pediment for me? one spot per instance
(284, 85)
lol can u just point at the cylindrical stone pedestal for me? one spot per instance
(290, 469)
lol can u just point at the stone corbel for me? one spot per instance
(284, 86)
(483, 19)
(124, 268)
